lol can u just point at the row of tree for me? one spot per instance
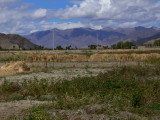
(119, 45)
(122, 45)
(59, 47)
(97, 46)
(66, 48)
(155, 43)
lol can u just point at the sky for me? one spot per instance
(28, 16)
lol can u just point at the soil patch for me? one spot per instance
(16, 107)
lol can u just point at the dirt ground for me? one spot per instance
(16, 107)
(65, 70)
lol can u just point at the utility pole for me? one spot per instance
(121, 44)
(97, 41)
(53, 39)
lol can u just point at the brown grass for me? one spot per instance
(14, 68)
(58, 58)
(93, 58)
(122, 57)
(72, 51)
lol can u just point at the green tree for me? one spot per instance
(157, 43)
(68, 47)
(41, 48)
(120, 45)
(105, 47)
(127, 45)
(59, 47)
(114, 46)
(92, 46)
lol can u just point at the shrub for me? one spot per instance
(136, 99)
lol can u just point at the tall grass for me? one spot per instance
(18, 57)
(83, 57)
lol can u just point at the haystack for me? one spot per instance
(14, 68)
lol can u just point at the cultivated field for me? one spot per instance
(80, 85)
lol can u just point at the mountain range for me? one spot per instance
(148, 40)
(82, 37)
(13, 41)
(79, 37)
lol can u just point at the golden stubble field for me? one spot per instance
(81, 55)
(16, 60)
(80, 51)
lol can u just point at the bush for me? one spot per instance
(136, 99)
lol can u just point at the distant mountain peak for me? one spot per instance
(108, 29)
(82, 37)
(140, 28)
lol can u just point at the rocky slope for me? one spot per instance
(13, 41)
(149, 39)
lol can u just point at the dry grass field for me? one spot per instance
(80, 51)
(80, 85)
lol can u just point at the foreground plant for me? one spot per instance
(125, 89)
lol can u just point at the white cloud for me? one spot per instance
(95, 14)
(75, 1)
(69, 25)
(40, 13)
(122, 11)
(7, 1)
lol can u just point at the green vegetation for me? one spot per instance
(157, 43)
(122, 45)
(92, 46)
(14, 57)
(124, 89)
(105, 47)
(59, 48)
(68, 47)
(153, 60)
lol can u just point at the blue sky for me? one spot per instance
(49, 4)
(28, 16)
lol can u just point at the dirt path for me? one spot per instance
(55, 75)
(16, 107)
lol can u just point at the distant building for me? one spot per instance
(145, 47)
(141, 47)
(133, 47)
(138, 47)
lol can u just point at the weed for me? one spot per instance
(136, 99)
(120, 89)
